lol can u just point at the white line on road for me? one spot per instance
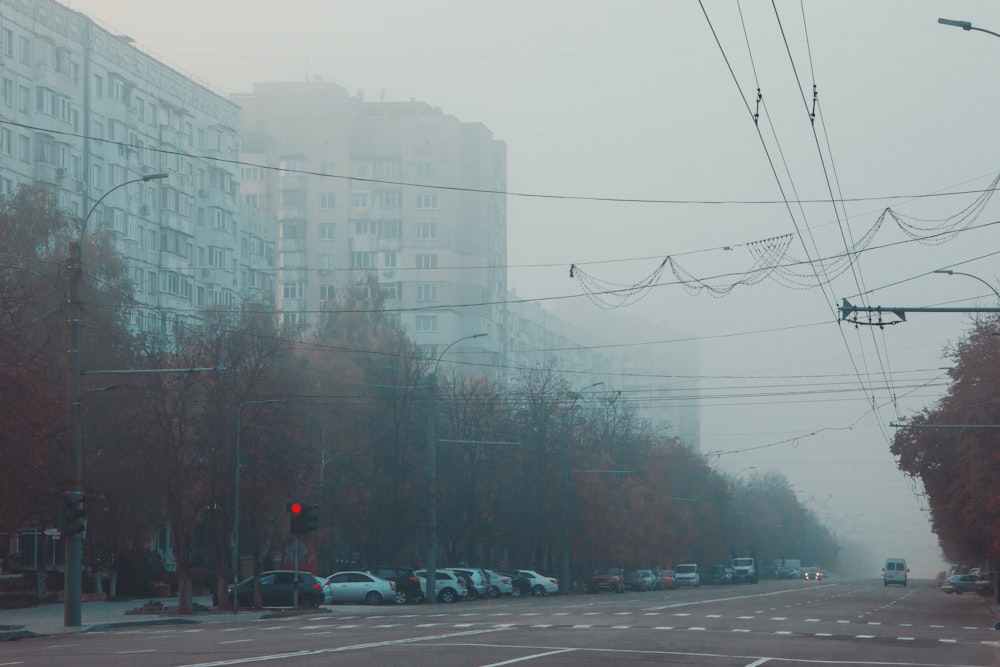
(142, 650)
(758, 663)
(530, 657)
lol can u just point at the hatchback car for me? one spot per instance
(448, 587)
(500, 585)
(357, 587)
(959, 583)
(277, 588)
(668, 581)
(476, 581)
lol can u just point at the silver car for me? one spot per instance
(449, 588)
(500, 585)
(477, 581)
(357, 587)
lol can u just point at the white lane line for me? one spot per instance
(843, 621)
(948, 641)
(542, 625)
(969, 627)
(783, 632)
(937, 626)
(746, 618)
(620, 627)
(697, 629)
(906, 639)
(236, 641)
(874, 623)
(623, 613)
(713, 615)
(652, 613)
(758, 663)
(582, 627)
(812, 620)
(741, 630)
(530, 657)
(864, 636)
(823, 634)
(144, 650)
(663, 627)
(464, 625)
(428, 625)
(779, 618)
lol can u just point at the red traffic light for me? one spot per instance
(295, 508)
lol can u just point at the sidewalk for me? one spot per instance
(47, 619)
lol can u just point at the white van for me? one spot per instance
(687, 574)
(895, 571)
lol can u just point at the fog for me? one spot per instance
(636, 122)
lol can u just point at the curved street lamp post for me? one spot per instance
(432, 472)
(73, 588)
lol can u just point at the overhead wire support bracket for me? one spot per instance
(847, 308)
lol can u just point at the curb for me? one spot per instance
(11, 635)
(106, 627)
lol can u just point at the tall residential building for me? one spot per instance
(396, 190)
(82, 112)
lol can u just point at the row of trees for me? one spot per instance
(338, 417)
(952, 447)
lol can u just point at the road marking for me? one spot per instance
(697, 629)
(542, 625)
(864, 636)
(713, 616)
(746, 618)
(681, 613)
(758, 663)
(464, 625)
(779, 618)
(582, 627)
(144, 650)
(812, 620)
(937, 626)
(427, 625)
(948, 641)
(906, 639)
(741, 630)
(530, 657)
(823, 634)
(874, 623)
(623, 613)
(236, 641)
(663, 627)
(620, 627)
(970, 627)
(652, 613)
(843, 621)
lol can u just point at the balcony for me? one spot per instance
(288, 181)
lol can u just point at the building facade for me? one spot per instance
(397, 192)
(84, 111)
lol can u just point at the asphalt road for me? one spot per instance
(773, 623)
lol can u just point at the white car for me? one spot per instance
(476, 581)
(540, 584)
(449, 587)
(357, 587)
(687, 574)
(500, 585)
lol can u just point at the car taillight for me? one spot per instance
(317, 587)
(415, 580)
(392, 586)
(505, 580)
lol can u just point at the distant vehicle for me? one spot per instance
(500, 584)
(687, 574)
(540, 584)
(407, 584)
(476, 581)
(357, 587)
(668, 580)
(959, 583)
(636, 581)
(519, 585)
(812, 573)
(449, 588)
(607, 579)
(788, 568)
(277, 587)
(718, 573)
(895, 572)
(744, 570)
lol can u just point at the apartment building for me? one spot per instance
(83, 110)
(398, 191)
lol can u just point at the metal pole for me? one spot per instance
(432, 473)
(949, 272)
(73, 579)
(236, 500)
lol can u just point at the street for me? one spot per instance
(786, 623)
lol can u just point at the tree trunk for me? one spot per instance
(185, 601)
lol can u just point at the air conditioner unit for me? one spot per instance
(81, 186)
(143, 209)
(60, 172)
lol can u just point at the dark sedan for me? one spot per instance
(277, 588)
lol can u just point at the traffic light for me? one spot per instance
(304, 518)
(74, 519)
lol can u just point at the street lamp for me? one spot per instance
(966, 25)
(73, 580)
(949, 272)
(432, 473)
(236, 498)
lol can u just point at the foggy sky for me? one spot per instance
(636, 101)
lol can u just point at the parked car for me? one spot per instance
(667, 579)
(607, 579)
(687, 574)
(277, 587)
(501, 585)
(540, 584)
(407, 584)
(353, 586)
(812, 573)
(635, 581)
(718, 573)
(476, 581)
(959, 583)
(448, 588)
(744, 570)
(520, 585)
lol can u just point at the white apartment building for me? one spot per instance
(397, 190)
(83, 111)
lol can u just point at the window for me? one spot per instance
(391, 290)
(390, 260)
(99, 86)
(326, 230)
(427, 261)
(326, 200)
(326, 293)
(362, 227)
(291, 230)
(7, 42)
(427, 231)
(24, 50)
(427, 323)
(24, 148)
(326, 262)
(363, 260)
(152, 114)
(388, 198)
(217, 257)
(8, 92)
(359, 199)
(427, 200)
(6, 141)
(252, 174)
(390, 229)
(427, 292)
(425, 170)
(253, 201)
(293, 290)
(23, 99)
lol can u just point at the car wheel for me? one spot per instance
(373, 598)
(308, 602)
(401, 597)
(417, 598)
(959, 590)
(515, 592)
(447, 596)
(494, 592)
(537, 591)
